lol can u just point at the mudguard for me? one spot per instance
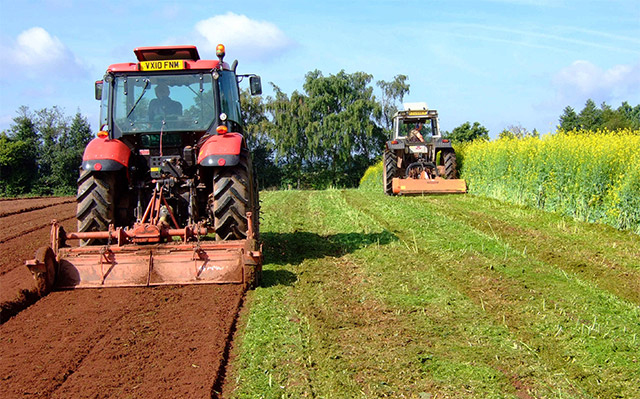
(221, 150)
(103, 154)
(395, 145)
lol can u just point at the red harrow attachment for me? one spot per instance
(150, 253)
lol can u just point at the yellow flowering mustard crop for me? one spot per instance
(593, 176)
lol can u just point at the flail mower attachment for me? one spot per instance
(424, 177)
(146, 255)
(436, 185)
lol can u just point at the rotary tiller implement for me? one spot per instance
(124, 263)
(150, 253)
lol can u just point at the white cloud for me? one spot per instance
(35, 51)
(36, 46)
(582, 80)
(243, 37)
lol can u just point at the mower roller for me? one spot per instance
(417, 159)
(167, 193)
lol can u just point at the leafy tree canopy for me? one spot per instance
(517, 132)
(393, 93)
(592, 117)
(41, 152)
(467, 132)
(329, 133)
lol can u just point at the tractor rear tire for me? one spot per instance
(96, 203)
(234, 194)
(389, 170)
(450, 164)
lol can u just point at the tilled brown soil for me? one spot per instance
(165, 342)
(12, 207)
(21, 234)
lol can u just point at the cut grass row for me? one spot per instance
(450, 296)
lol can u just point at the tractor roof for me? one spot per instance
(418, 110)
(159, 58)
(416, 114)
(167, 53)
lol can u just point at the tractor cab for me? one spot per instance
(416, 117)
(171, 89)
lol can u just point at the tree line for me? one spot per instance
(41, 152)
(603, 118)
(324, 135)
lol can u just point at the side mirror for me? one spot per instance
(255, 85)
(99, 84)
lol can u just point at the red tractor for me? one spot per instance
(167, 193)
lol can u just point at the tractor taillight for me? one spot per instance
(445, 140)
(102, 134)
(222, 129)
(394, 142)
(97, 166)
(221, 162)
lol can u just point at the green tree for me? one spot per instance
(345, 137)
(70, 145)
(289, 120)
(50, 125)
(467, 132)
(50, 147)
(16, 166)
(517, 132)
(593, 118)
(630, 113)
(256, 132)
(329, 134)
(613, 119)
(569, 120)
(20, 148)
(590, 118)
(393, 93)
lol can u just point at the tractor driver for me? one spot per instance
(414, 135)
(163, 106)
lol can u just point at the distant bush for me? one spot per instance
(592, 176)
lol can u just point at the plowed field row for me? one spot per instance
(140, 343)
(12, 207)
(21, 235)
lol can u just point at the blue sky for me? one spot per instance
(498, 62)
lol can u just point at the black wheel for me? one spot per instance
(389, 170)
(448, 159)
(96, 203)
(234, 194)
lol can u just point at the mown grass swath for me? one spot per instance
(367, 295)
(593, 176)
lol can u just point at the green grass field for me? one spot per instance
(365, 296)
